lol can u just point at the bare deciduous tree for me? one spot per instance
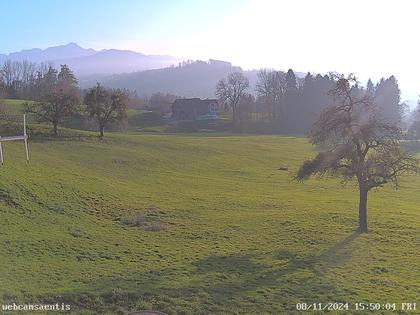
(271, 88)
(356, 144)
(230, 90)
(19, 79)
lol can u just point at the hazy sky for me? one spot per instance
(372, 38)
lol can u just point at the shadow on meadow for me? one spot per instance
(240, 283)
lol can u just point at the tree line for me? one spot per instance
(287, 104)
(21, 79)
(280, 102)
(55, 95)
(414, 130)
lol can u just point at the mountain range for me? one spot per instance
(88, 62)
(147, 74)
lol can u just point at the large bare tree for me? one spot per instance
(356, 144)
(230, 90)
(271, 88)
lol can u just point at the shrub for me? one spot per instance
(136, 220)
(127, 221)
(139, 219)
(156, 226)
(76, 233)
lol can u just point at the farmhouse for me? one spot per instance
(195, 109)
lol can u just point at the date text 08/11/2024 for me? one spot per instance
(337, 306)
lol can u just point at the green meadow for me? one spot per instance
(196, 224)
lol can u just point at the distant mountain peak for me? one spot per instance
(72, 44)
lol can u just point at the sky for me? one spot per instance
(371, 38)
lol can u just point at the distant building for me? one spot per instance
(195, 109)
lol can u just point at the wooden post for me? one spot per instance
(25, 138)
(16, 138)
(1, 152)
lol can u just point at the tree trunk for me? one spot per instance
(234, 116)
(101, 132)
(363, 226)
(55, 128)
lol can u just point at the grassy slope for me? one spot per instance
(239, 235)
(13, 106)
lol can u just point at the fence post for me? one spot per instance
(1, 152)
(25, 138)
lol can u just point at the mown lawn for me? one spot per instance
(222, 231)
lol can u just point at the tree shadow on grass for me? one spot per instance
(254, 284)
(320, 264)
(241, 283)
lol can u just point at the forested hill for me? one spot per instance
(190, 79)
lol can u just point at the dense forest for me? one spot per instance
(291, 104)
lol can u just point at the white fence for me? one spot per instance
(23, 138)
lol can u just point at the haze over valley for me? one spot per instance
(183, 157)
(148, 74)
